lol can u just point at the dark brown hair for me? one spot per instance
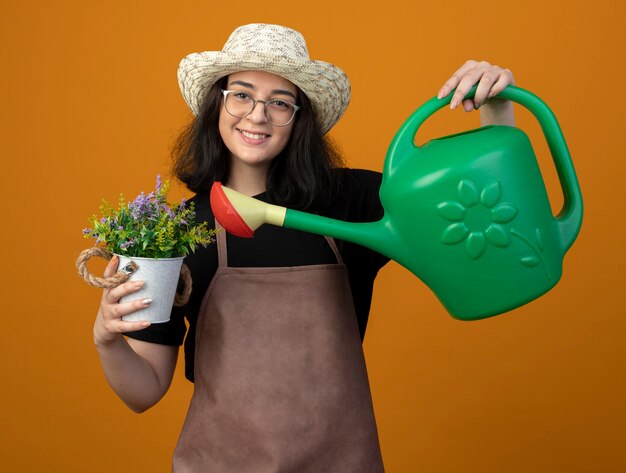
(302, 176)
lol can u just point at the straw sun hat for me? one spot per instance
(270, 48)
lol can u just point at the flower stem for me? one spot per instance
(535, 249)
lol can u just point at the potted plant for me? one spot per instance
(151, 238)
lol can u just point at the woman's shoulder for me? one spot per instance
(200, 200)
(201, 203)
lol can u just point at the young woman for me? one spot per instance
(276, 321)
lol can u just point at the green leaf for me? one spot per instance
(468, 193)
(497, 236)
(451, 211)
(530, 261)
(491, 195)
(454, 233)
(476, 244)
(503, 213)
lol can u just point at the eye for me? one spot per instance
(280, 104)
(241, 96)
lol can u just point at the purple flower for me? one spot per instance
(86, 231)
(168, 210)
(128, 243)
(142, 208)
(158, 184)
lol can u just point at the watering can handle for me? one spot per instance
(570, 216)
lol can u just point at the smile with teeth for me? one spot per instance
(253, 136)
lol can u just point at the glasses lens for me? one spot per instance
(240, 104)
(279, 113)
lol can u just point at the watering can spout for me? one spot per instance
(242, 215)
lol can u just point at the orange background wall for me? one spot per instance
(90, 106)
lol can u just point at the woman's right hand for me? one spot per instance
(109, 325)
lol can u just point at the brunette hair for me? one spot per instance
(302, 176)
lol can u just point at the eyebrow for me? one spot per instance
(251, 86)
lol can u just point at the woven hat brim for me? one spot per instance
(326, 86)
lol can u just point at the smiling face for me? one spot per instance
(253, 141)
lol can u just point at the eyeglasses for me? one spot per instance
(241, 104)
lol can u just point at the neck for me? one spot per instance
(248, 180)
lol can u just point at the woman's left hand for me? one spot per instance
(491, 81)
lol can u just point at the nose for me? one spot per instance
(257, 114)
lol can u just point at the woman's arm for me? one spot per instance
(491, 81)
(139, 372)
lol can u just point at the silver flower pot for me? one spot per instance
(160, 277)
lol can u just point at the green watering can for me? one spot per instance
(468, 213)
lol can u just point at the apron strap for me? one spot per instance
(222, 253)
(333, 246)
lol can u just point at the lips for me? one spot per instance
(253, 136)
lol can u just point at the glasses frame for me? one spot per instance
(264, 102)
